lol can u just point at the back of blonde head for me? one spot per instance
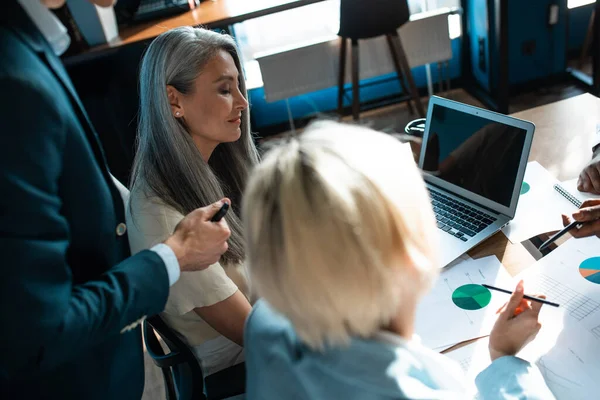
(340, 232)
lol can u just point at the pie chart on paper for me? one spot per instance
(590, 269)
(471, 297)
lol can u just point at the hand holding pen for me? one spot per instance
(589, 215)
(517, 324)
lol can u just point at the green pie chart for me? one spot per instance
(471, 297)
(525, 187)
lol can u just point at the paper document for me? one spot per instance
(567, 349)
(567, 357)
(458, 308)
(540, 206)
(570, 276)
(571, 187)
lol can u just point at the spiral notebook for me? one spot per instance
(567, 195)
(570, 189)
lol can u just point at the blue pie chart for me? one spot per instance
(590, 269)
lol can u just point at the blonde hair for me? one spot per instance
(340, 232)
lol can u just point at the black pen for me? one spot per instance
(574, 224)
(525, 296)
(221, 213)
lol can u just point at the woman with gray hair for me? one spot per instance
(194, 147)
(342, 245)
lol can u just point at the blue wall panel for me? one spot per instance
(528, 30)
(478, 30)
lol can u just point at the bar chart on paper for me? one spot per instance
(458, 308)
(577, 304)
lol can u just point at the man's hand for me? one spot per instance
(589, 178)
(589, 213)
(197, 242)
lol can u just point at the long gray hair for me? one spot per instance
(167, 162)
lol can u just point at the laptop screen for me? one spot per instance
(474, 153)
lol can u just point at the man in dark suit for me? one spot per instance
(71, 297)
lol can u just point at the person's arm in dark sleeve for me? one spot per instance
(47, 319)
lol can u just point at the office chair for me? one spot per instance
(363, 19)
(181, 370)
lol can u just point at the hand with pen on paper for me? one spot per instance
(516, 326)
(589, 213)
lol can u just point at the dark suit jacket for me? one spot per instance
(71, 298)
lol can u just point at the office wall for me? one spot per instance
(536, 49)
(479, 40)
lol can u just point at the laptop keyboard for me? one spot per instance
(458, 219)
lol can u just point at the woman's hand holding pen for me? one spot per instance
(517, 325)
(588, 213)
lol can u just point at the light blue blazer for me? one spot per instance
(279, 366)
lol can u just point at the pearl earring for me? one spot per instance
(177, 114)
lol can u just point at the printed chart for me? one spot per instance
(578, 305)
(566, 358)
(567, 348)
(458, 308)
(471, 297)
(540, 210)
(564, 277)
(596, 331)
(590, 269)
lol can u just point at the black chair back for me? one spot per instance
(362, 19)
(182, 372)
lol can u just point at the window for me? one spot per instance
(578, 3)
(306, 25)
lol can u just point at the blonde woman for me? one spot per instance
(341, 247)
(194, 148)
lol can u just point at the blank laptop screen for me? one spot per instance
(474, 153)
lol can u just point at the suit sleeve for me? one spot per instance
(48, 320)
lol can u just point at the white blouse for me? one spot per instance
(151, 221)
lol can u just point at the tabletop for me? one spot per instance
(562, 143)
(209, 14)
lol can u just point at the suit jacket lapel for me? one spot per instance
(55, 65)
(17, 19)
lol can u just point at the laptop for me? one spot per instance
(473, 162)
